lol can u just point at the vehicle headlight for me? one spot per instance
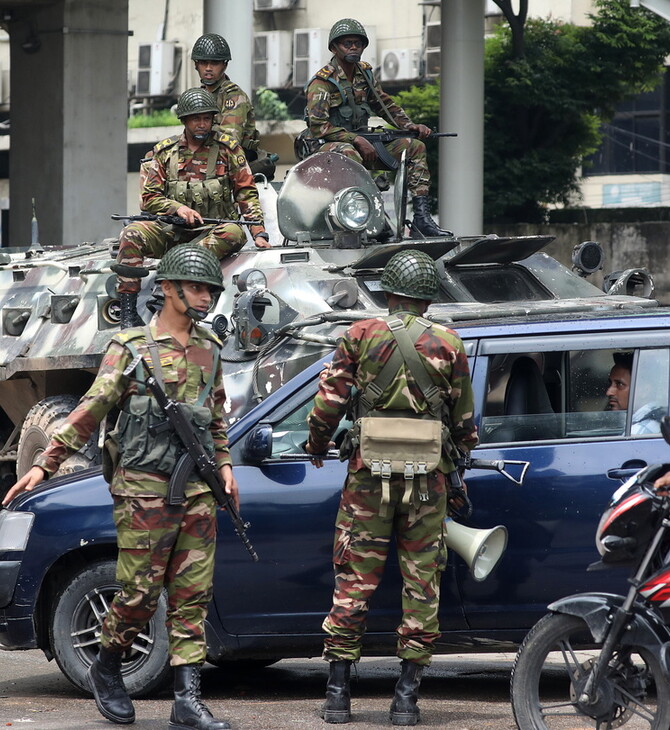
(15, 529)
(351, 209)
(251, 279)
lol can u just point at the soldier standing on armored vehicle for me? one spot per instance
(200, 173)
(343, 95)
(414, 395)
(236, 117)
(161, 545)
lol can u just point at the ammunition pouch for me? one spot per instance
(145, 440)
(401, 445)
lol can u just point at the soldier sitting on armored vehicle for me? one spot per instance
(342, 96)
(200, 173)
(236, 117)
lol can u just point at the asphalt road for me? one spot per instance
(458, 693)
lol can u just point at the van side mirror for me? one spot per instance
(258, 444)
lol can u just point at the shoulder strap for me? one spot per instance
(414, 363)
(374, 390)
(165, 143)
(155, 358)
(216, 354)
(367, 75)
(139, 375)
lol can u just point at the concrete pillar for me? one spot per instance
(69, 120)
(234, 20)
(461, 192)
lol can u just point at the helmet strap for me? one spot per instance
(194, 314)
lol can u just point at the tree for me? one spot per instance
(548, 88)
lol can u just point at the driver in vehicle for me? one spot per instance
(647, 418)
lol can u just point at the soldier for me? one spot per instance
(200, 173)
(401, 367)
(343, 95)
(179, 555)
(236, 117)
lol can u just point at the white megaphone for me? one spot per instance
(481, 549)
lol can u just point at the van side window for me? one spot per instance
(575, 395)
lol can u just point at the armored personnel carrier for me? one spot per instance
(283, 307)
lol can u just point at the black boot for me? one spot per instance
(337, 707)
(129, 315)
(404, 710)
(423, 226)
(189, 712)
(104, 677)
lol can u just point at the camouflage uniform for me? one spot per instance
(151, 238)
(236, 117)
(326, 104)
(159, 545)
(362, 535)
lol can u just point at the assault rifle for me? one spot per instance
(379, 136)
(176, 220)
(195, 456)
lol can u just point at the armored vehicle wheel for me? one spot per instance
(75, 628)
(38, 427)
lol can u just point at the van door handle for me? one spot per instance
(627, 470)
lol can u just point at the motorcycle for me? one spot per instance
(599, 659)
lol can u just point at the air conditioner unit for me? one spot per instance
(399, 64)
(272, 58)
(310, 53)
(274, 4)
(155, 68)
(433, 47)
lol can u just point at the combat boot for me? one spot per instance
(423, 226)
(404, 710)
(129, 315)
(337, 707)
(106, 682)
(189, 712)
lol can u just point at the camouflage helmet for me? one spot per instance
(190, 262)
(196, 101)
(347, 26)
(411, 274)
(210, 47)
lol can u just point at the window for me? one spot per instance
(575, 395)
(290, 434)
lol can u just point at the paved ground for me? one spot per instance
(458, 693)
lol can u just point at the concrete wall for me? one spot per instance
(626, 245)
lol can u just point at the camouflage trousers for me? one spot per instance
(418, 176)
(362, 539)
(150, 238)
(163, 546)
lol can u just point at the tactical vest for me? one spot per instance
(350, 114)
(211, 197)
(402, 442)
(140, 438)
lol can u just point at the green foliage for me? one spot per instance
(162, 118)
(544, 109)
(268, 105)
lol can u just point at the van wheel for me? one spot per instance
(38, 428)
(75, 629)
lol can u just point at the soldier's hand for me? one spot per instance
(192, 217)
(25, 484)
(365, 149)
(230, 484)
(260, 242)
(421, 129)
(317, 459)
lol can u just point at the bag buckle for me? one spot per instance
(409, 470)
(386, 469)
